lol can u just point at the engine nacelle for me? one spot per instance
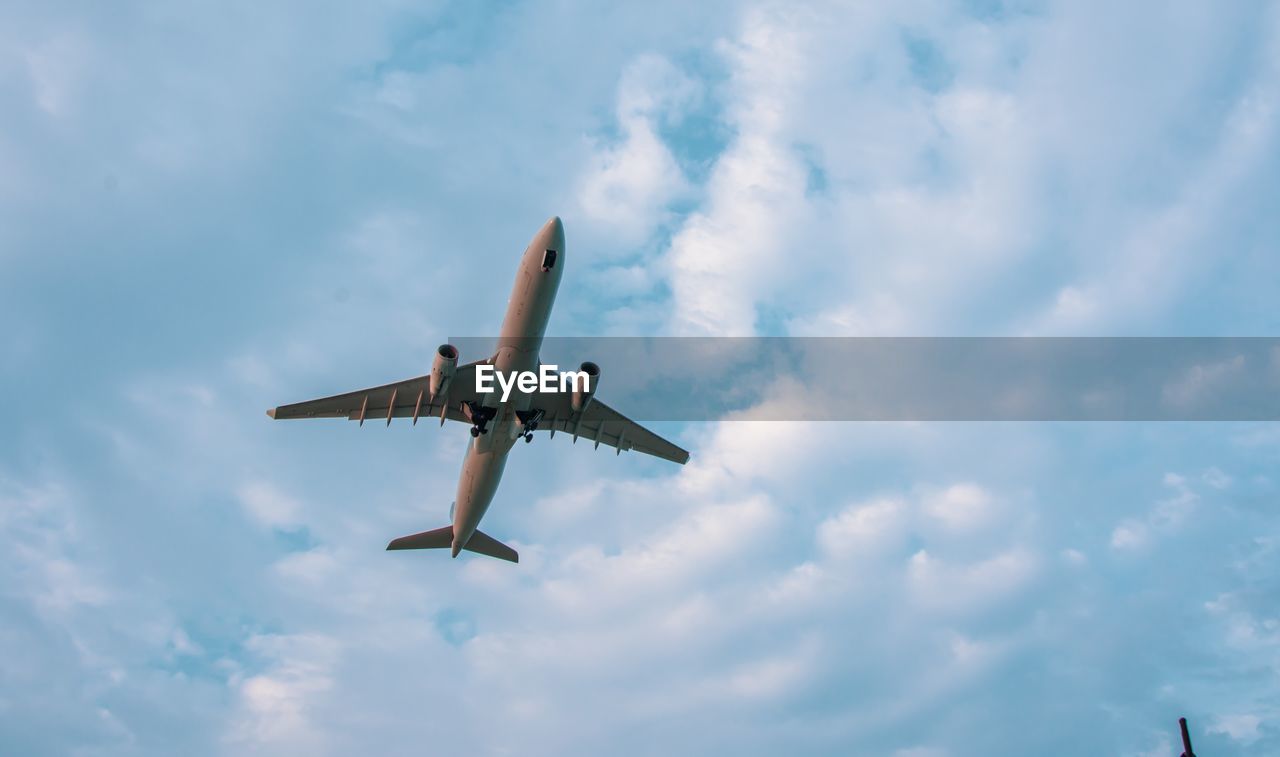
(581, 398)
(442, 370)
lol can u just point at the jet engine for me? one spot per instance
(442, 368)
(582, 398)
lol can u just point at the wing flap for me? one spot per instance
(601, 424)
(409, 396)
(427, 411)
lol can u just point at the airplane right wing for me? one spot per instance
(601, 424)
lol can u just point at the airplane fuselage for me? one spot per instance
(519, 341)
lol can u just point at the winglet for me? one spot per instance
(271, 413)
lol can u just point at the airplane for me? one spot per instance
(450, 392)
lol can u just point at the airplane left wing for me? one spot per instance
(403, 399)
(601, 424)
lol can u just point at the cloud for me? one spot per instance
(961, 506)
(702, 540)
(44, 534)
(205, 214)
(724, 254)
(55, 67)
(938, 585)
(1074, 556)
(628, 186)
(864, 529)
(1216, 478)
(270, 507)
(276, 706)
(1202, 382)
(898, 210)
(1166, 516)
(1242, 728)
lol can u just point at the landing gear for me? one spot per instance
(479, 417)
(529, 422)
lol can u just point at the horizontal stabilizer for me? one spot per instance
(484, 544)
(440, 538)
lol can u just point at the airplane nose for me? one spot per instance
(549, 237)
(554, 231)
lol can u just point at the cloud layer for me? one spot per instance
(203, 214)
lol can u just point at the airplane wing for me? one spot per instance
(601, 424)
(403, 399)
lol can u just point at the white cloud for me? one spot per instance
(1216, 478)
(1163, 747)
(276, 708)
(1074, 556)
(182, 643)
(45, 535)
(628, 186)
(726, 255)
(961, 506)
(265, 503)
(695, 544)
(949, 587)
(1238, 727)
(932, 205)
(742, 451)
(1164, 517)
(1074, 305)
(56, 69)
(853, 197)
(817, 204)
(1129, 534)
(865, 529)
(772, 677)
(314, 567)
(1210, 379)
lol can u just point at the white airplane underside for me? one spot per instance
(449, 393)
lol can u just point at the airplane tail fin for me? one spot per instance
(442, 538)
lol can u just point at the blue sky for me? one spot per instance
(207, 211)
